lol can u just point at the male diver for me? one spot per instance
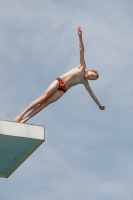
(77, 75)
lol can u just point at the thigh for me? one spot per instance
(55, 96)
(51, 89)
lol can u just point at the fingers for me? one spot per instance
(102, 106)
(79, 30)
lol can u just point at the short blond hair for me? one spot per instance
(96, 72)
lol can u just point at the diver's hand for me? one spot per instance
(102, 107)
(79, 31)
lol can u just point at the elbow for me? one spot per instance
(81, 50)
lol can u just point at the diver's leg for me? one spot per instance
(49, 91)
(54, 97)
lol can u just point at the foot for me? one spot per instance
(18, 118)
(24, 120)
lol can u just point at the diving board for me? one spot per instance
(17, 142)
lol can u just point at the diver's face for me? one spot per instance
(90, 75)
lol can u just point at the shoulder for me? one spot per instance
(80, 66)
(85, 83)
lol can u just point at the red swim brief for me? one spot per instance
(62, 85)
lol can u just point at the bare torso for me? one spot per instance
(74, 76)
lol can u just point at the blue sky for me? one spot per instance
(88, 153)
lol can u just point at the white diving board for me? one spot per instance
(17, 142)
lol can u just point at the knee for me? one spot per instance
(45, 103)
(43, 98)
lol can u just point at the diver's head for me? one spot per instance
(91, 74)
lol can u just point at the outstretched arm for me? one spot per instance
(102, 107)
(81, 48)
